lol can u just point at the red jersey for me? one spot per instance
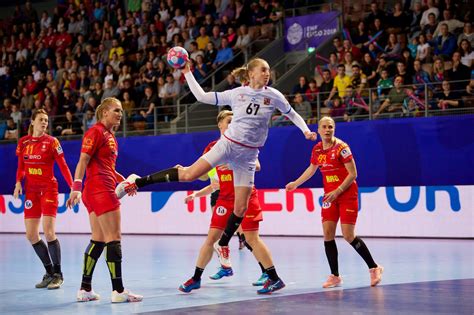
(226, 180)
(100, 144)
(331, 163)
(36, 156)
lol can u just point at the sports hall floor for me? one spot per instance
(422, 276)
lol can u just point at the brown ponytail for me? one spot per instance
(33, 117)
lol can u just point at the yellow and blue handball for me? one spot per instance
(177, 57)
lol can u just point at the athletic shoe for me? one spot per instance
(221, 273)
(332, 282)
(375, 275)
(271, 286)
(56, 282)
(86, 296)
(261, 281)
(223, 255)
(127, 187)
(190, 285)
(125, 296)
(47, 278)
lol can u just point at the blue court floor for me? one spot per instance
(421, 277)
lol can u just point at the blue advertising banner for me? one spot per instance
(310, 30)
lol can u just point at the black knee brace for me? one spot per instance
(114, 251)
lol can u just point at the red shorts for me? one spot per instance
(100, 202)
(223, 209)
(41, 203)
(346, 209)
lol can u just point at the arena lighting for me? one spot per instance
(311, 49)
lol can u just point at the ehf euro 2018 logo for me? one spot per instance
(295, 34)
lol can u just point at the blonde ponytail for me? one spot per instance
(242, 73)
(104, 105)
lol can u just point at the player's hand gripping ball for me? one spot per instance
(177, 57)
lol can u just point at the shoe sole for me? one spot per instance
(333, 286)
(182, 290)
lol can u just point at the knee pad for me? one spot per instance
(114, 251)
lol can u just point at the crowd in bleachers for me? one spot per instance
(387, 55)
(70, 58)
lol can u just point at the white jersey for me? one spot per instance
(252, 111)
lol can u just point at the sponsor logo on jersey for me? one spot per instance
(226, 178)
(332, 178)
(33, 157)
(59, 149)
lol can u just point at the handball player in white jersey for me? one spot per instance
(252, 105)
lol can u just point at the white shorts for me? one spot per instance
(242, 160)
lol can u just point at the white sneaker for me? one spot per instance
(121, 190)
(125, 296)
(223, 254)
(86, 296)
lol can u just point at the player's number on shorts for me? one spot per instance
(253, 108)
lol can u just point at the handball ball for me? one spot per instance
(177, 57)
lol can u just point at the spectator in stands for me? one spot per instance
(224, 55)
(358, 81)
(147, 107)
(341, 82)
(375, 13)
(15, 114)
(467, 34)
(458, 73)
(448, 98)
(429, 28)
(395, 99)
(445, 42)
(69, 126)
(423, 49)
(420, 78)
(326, 85)
(311, 94)
(368, 69)
(338, 109)
(171, 92)
(243, 40)
(414, 19)
(398, 20)
(200, 68)
(203, 38)
(438, 73)
(302, 106)
(216, 36)
(467, 55)
(11, 133)
(452, 24)
(385, 84)
(301, 87)
(27, 101)
(128, 104)
(402, 72)
(111, 90)
(361, 35)
(348, 60)
(432, 9)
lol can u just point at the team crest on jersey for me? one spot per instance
(221, 211)
(28, 204)
(266, 101)
(241, 97)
